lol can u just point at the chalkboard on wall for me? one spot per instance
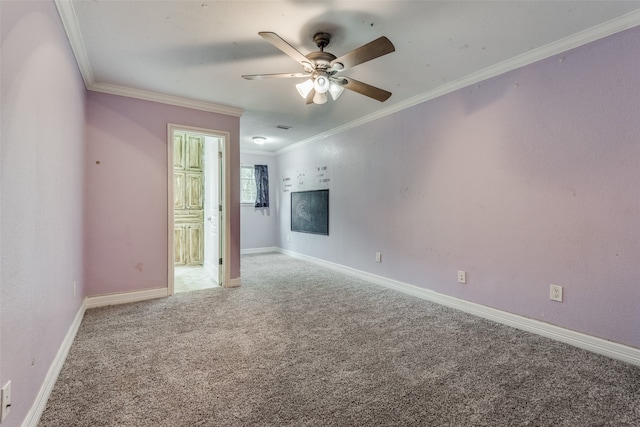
(310, 211)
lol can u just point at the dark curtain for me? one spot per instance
(262, 186)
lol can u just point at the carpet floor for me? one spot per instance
(302, 345)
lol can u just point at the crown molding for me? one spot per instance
(70, 24)
(165, 99)
(258, 152)
(624, 22)
(72, 28)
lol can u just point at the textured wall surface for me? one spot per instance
(258, 225)
(41, 249)
(525, 180)
(126, 215)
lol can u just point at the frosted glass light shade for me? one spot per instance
(304, 88)
(320, 98)
(335, 90)
(259, 140)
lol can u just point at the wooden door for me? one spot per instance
(188, 197)
(212, 155)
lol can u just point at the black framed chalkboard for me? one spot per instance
(310, 211)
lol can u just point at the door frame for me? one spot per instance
(224, 231)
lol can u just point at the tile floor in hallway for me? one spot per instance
(192, 278)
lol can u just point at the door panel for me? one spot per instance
(195, 246)
(195, 145)
(194, 189)
(179, 244)
(179, 184)
(186, 217)
(179, 147)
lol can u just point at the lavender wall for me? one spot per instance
(43, 109)
(126, 214)
(527, 179)
(258, 225)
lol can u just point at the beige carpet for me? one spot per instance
(299, 345)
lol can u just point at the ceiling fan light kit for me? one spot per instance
(335, 90)
(320, 98)
(320, 68)
(321, 84)
(304, 88)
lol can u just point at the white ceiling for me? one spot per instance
(194, 52)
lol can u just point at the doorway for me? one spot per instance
(196, 204)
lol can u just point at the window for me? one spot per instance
(247, 184)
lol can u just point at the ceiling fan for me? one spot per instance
(321, 68)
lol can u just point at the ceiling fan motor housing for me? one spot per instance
(321, 59)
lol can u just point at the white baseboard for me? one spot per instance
(126, 297)
(33, 416)
(577, 339)
(258, 250)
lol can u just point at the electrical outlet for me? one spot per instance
(288, 238)
(378, 257)
(555, 293)
(6, 400)
(462, 276)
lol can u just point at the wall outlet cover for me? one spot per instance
(462, 276)
(5, 400)
(555, 293)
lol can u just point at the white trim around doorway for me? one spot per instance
(225, 199)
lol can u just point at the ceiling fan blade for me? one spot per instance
(365, 89)
(279, 42)
(372, 50)
(275, 76)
